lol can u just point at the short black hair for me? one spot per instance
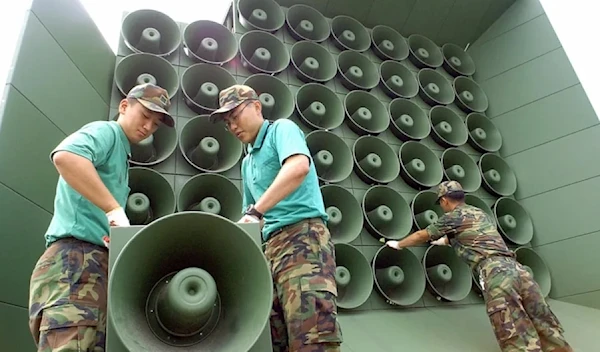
(456, 196)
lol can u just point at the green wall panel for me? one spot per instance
(427, 17)
(380, 13)
(14, 332)
(462, 21)
(589, 299)
(517, 14)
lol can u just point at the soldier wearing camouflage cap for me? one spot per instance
(281, 191)
(67, 293)
(519, 315)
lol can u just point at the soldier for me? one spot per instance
(68, 287)
(281, 190)
(520, 317)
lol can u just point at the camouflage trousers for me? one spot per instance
(518, 312)
(67, 297)
(304, 314)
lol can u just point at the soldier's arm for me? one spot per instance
(412, 240)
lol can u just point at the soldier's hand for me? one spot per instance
(443, 241)
(393, 244)
(117, 217)
(248, 219)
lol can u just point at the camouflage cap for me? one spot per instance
(154, 98)
(448, 187)
(231, 97)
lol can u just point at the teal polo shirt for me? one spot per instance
(276, 141)
(103, 143)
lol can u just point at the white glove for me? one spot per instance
(442, 241)
(248, 218)
(393, 244)
(117, 217)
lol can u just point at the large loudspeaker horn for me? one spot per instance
(498, 177)
(513, 220)
(209, 147)
(483, 134)
(143, 68)
(151, 196)
(434, 88)
(319, 107)
(201, 84)
(448, 277)
(399, 276)
(374, 160)
(306, 23)
(449, 130)
(175, 285)
(150, 31)
(456, 61)
(425, 210)
(275, 96)
(209, 42)
(459, 166)
(331, 155)
(349, 34)
(345, 214)
(477, 202)
(313, 62)
(264, 15)
(262, 52)
(469, 95)
(397, 80)
(420, 167)
(424, 52)
(386, 213)
(353, 276)
(211, 193)
(357, 71)
(408, 120)
(388, 44)
(366, 114)
(536, 266)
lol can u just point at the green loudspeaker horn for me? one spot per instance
(456, 61)
(345, 214)
(353, 276)
(434, 88)
(143, 68)
(349, 34)
(264, 15)
(449, 130)
(479, 203)
(174, 285)
(374, 160)
(275, 96)
(151, 196)
(262, 52)
(397, 80)
(459, 166)
(448, 277)
(399, 276)
(388, 44)
(313, 62)
(357, 71)
(386, 213)
(211, 193)
(420, 167)
(209, 147)
(470, 96)
(306, 23)
(483, 134)
(514, 221)
(366, 114)
(201, 84)
(498, 177)
(209, 42)
(150, 31)
(425, 211)
(534, 263)
(319, 107)
(424, 52)
(331, 155)
(408, 120)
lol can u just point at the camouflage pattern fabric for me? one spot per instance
(231, 97)
(154, 98)
(67, 297)
(304, 315)
(448, 187)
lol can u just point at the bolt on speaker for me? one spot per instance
(386, 213)
(353, 276)
(313, 62)
(408, 120)
(150, 31)
(201, 84)
(399, 276)
(306, 23)
(498, 178)
(397, 80)
(319, 107)
(424, 52)
(211, 193)
(345, 214)
(459, 166)
(209, 42)
(483, 134)
(420, 167)
(470, 96)
(179, 283)
(331, 155)
(264, 15)
(456, 61)
(448, 128)
(144, 68)
(477, 202)
(275, 96)
(357, 71)
(388, 44)
(262, 52)
(366, 114)
(536, 266)
(374, 160)
(151, 196)
(349, 34)
(514, 221)
(434, 88)
(425, 210)
(207, 146)
(448, 277)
